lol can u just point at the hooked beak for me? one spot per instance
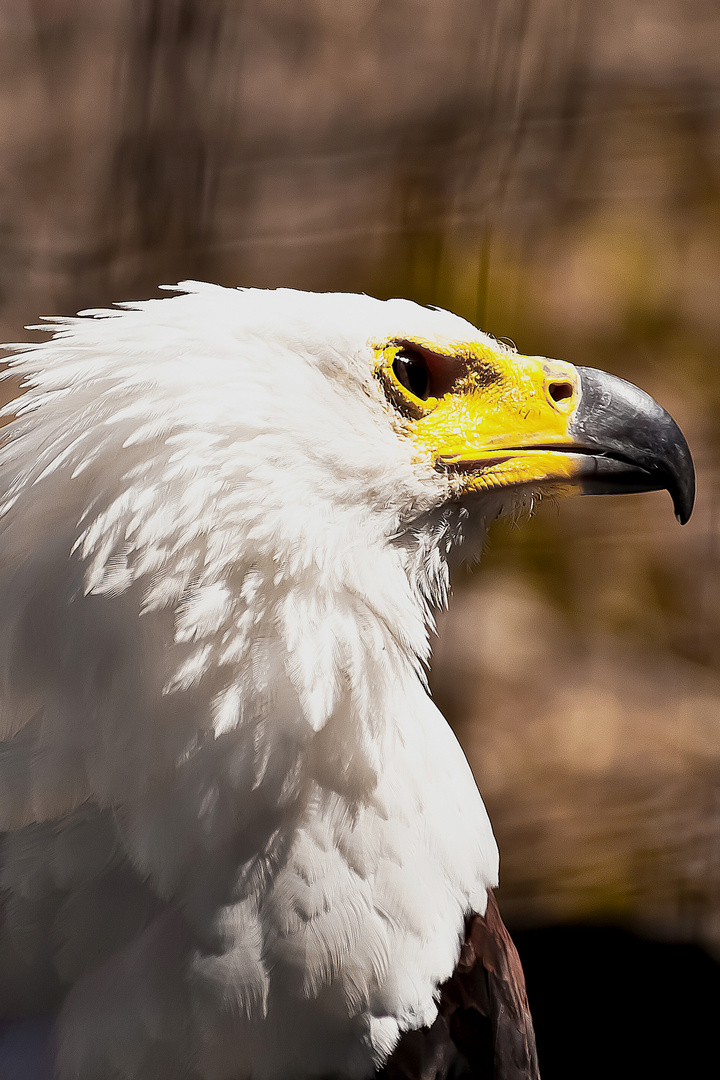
(629, 443)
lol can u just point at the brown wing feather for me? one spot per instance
(484, 1029)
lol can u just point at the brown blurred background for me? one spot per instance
(550, 169)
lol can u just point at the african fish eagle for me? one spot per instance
(240, 841)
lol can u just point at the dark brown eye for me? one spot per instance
(411, 370)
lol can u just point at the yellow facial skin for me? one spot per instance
(491, 414)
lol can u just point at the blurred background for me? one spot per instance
(550, 169)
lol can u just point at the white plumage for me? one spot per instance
(240, 842)
(241, 839)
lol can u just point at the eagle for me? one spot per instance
(239, 840)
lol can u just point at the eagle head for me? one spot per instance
(250, 840)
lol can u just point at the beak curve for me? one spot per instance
(629, 443)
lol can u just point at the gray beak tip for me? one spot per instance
(683, 503)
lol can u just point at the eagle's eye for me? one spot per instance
(412, 371)
(415, 377)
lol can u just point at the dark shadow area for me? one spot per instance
(607, 1003)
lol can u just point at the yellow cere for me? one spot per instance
(496, 417)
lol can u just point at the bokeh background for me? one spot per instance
(550, 169)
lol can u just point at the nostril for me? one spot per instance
(559, 391)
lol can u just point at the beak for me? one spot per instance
(546, 423)
(629, 443)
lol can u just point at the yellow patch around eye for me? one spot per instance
(450, 369)
(496, 418)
